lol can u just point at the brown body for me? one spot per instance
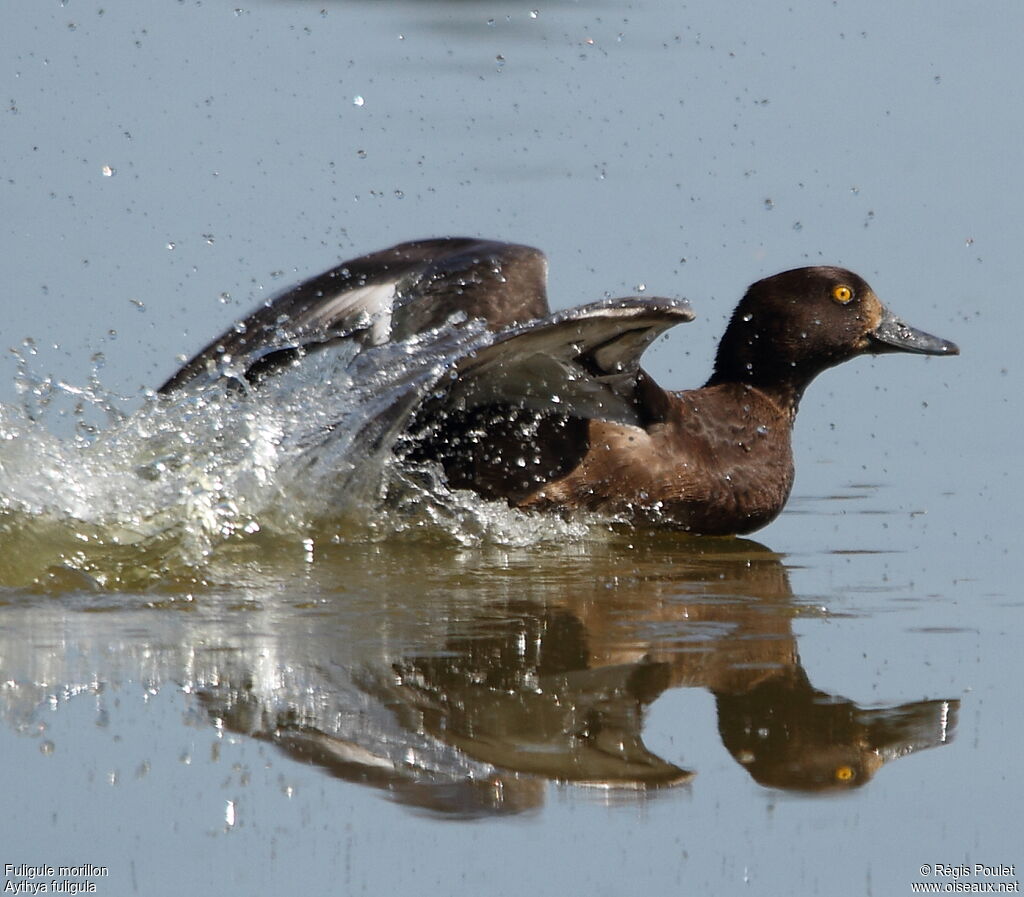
(720, 462)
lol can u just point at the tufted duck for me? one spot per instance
(552, 411)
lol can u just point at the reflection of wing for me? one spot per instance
(388, 295)
(516, 415)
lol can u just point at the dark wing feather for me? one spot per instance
(586, 359)
(517, 414)
(387, 295)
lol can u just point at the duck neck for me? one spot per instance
(783, 392)
(768, 358)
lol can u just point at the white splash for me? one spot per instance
(136, 497)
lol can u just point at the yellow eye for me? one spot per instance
(843, 773)
(842, 294)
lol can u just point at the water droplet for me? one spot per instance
(138, 303)
(229, 813)
(224, 298)
(108, 171)
(748, 317)
(534, 13)
(208, 238)
(797, 226)
(171, 245)
(640, 288)
(361, 154)
(769, 204)
(358, 101)
(47, 747)
(399, 194)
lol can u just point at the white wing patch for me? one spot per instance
(366, 306)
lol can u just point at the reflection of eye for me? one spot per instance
(843, 773)
(842, 293)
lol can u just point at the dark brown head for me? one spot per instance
(790, 327)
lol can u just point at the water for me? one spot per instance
(240, 653)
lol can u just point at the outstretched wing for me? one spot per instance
(387, 295)
(585, 360)
(517, 413)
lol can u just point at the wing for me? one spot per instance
(517, 414)
(585, 360)
(388, 295)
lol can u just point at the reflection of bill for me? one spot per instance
(554, 685)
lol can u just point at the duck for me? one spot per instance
(552, 411)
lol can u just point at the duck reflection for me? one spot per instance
(553, 684)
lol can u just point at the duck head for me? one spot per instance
(790, 327)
